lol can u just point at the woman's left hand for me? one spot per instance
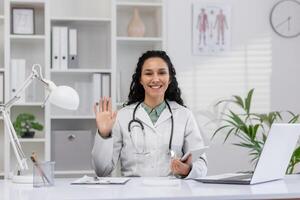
(181, 168)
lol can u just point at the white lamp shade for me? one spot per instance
(64, 97)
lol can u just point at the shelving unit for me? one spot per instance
(93, 23)
(3, 71)
(129, 49)
(103, 47)
(33, 49)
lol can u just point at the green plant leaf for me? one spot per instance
(248, 101)
(239, 101)
(36, 126)
(239, 122)
(294, 119)
(229, 133)
(245, 145)
(252, 128)
(219, 129)
(26, 122)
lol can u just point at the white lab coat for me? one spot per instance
(186, 137)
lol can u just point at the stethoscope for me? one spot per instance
(134, 120)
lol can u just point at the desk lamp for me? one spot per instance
(61, 96)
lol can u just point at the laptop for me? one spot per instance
(273, 161)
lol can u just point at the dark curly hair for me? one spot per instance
(137, 92)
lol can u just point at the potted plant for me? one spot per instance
(252, 128)
(25, 124)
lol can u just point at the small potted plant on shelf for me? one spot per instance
(252, 128)
(25, 124)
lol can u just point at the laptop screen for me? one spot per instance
(276, 154)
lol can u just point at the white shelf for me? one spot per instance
(32, 139)
(1, 17)
(82, 19)
(72, 117)
(81, 71)
(144, 4)
(29, 104)
(28, 37)
(140, 39)
(74, 172)
(2, 70)
(27, 1)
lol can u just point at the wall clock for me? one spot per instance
(285, 18)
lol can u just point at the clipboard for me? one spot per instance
(88, 180)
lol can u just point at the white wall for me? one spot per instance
(249, 21)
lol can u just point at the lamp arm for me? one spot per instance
(14, 140)
(35, 74)
(4, 109)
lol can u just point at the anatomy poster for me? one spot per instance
(211, 29)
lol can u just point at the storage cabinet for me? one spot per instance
(105, 60)
(77, 147)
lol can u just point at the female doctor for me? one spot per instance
(153, 127)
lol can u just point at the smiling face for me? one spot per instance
(155, 79)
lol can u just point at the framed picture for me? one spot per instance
(23, 21)
(211, 28)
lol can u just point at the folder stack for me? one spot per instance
(64, 48)
(17, 77)
(101, 86)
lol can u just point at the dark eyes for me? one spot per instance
(160, 73)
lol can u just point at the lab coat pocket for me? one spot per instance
(145, 165)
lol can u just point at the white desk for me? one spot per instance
(134, 189)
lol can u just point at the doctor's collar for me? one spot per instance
(173, 104)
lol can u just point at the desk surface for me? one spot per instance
(135, 189)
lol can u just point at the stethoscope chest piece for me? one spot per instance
(172, 154)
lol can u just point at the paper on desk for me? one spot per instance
(87, 180)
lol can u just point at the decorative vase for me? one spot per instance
(136, 27)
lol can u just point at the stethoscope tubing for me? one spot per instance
(142, 126)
